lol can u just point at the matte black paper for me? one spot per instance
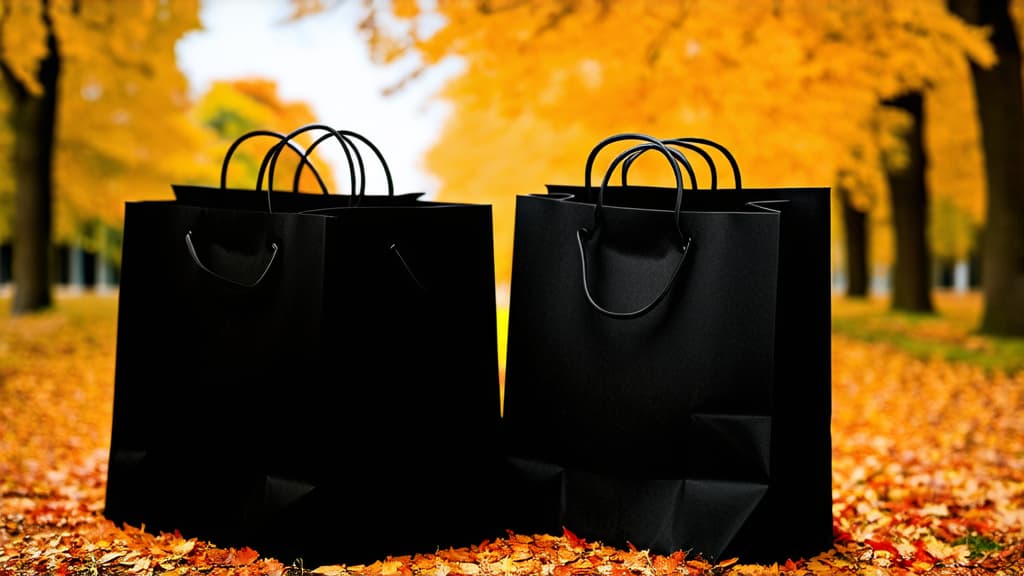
(314, 384)
(702, 424)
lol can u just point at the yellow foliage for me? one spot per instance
(126, 129)
(232, 108)
(405, 8)
(23, 42)
(122, 132)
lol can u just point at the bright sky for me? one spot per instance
(323, 61)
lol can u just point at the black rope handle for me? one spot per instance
(652, 142)
(393, 248)
(583, 233)
(269, 163)
(690, 146)
(342, 136)
(281, 137)
(722, 149)
(345, 144)
(204, 268)
(380, 158)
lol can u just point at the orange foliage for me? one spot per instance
(792, 88)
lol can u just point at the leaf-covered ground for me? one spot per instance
(928, 472)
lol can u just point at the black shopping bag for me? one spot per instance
(316, 379)
(668, 366)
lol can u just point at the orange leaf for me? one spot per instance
(697, 564)
(665, 564)
(727, 563)
(244, 556)
(217, 556)
(573, 539)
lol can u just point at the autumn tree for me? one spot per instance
(232, 108)
(31, 79)
(792, 88)
(1001, 112)
(97, 108)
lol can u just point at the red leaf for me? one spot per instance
(921, 554)
(840, 535)
(882, 545)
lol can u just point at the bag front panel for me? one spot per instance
(203, 364)
(412, 392)
(786, 449)
(593, 385)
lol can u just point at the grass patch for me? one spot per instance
(951, 333)
(979, 545)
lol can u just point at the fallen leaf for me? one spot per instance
(573, 539)
(331, 570)
(244, 556)
(109, 557)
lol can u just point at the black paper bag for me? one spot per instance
(313, 379)
(668, 375)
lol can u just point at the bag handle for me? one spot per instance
(652, 143)
(679, 158)
(281, 137)
(724, 151)
(195, 258)
(340, 135)
(693, 144)
(675, 159)
(707, 159)
(345, 145)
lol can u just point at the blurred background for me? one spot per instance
(910, 111)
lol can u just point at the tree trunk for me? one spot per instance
(1001, 111)
(34, 121)
(911, 286)
(855, 224)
